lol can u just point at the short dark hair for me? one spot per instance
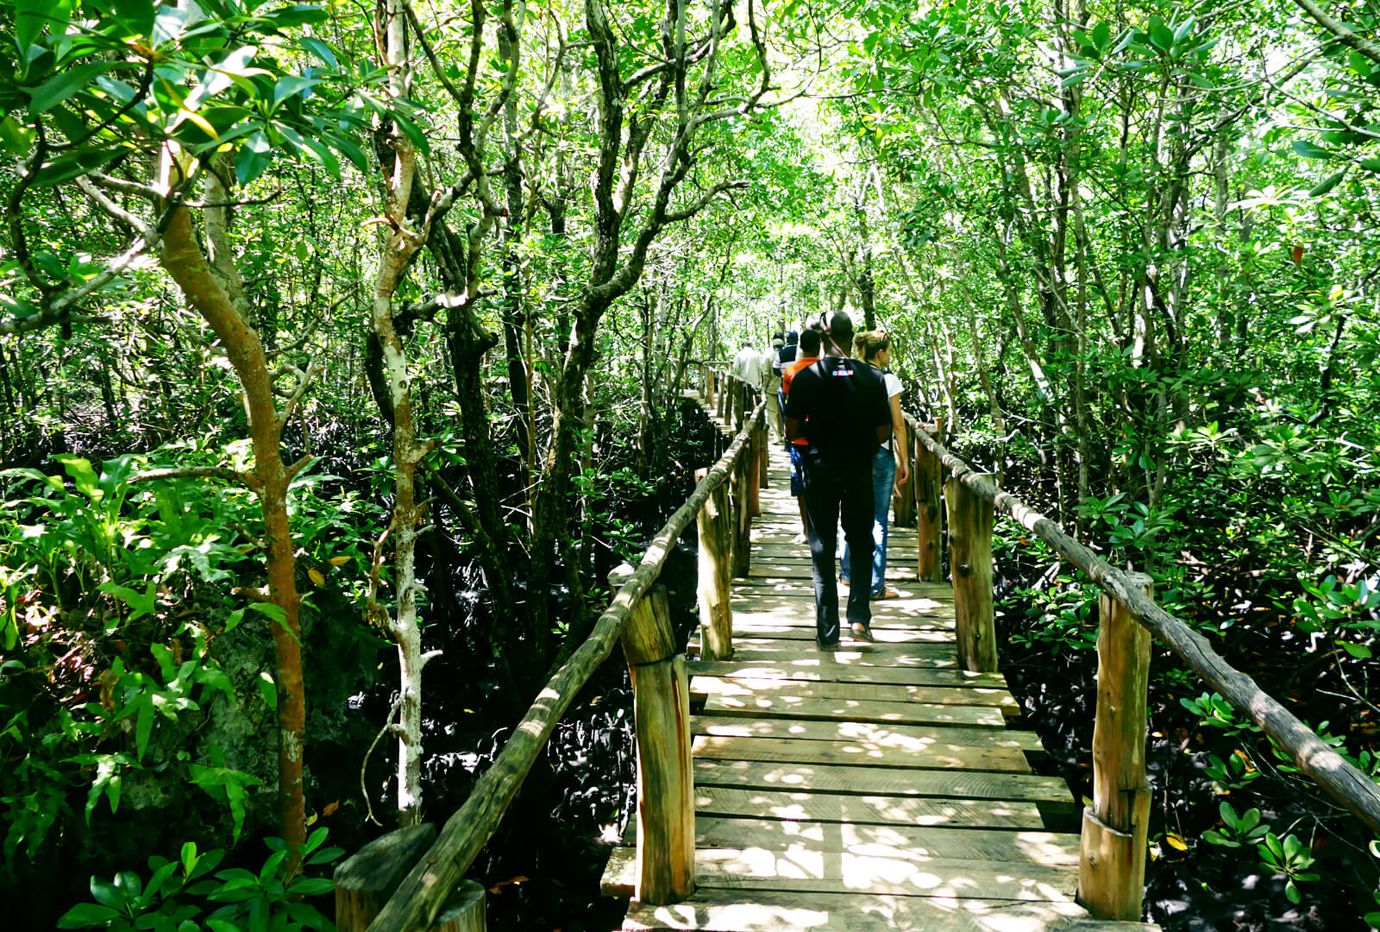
(810, 342)
(840, 329)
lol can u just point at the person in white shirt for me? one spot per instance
(890, 469)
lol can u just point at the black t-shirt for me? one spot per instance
(784, 357)
(842, 402)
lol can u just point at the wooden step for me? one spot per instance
(858, 754)
(911, 738)
(866, 810)
(881, 781)
(716, 909)
(867, 702)
(847, 665)
(869, 873)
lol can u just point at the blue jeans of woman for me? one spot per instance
(883, 479)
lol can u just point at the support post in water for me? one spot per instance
(715, 572)
(1111, 872)
(970, 554)
(927, 470)
(665, 785)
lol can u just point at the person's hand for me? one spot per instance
(902, 474)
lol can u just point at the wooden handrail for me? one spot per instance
(424, 891)
(1356, 792)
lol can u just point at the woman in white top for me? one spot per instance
(890, 468)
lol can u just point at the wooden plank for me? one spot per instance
(753, 870)
(803, 585)
(781, 694)
(844, 666)
(749, 705)
(717, 909)
(882, 781)
(912, 738)
(749, 631)
(866, 810)
(859, 754)
(916, 615)
(854, 654)
(973, 844)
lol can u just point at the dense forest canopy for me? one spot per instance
(338, 340)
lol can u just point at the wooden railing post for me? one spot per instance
(742, 517)
(725, 396)
(715, 572)
(764, 447)
(970, 556)
(929, 514)
(755, 458)
(903, 500)
(464, 911)
(665, 785)
(1111, 873)
(365, 881)
(709, 387)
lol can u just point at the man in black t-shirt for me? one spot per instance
(840, 406)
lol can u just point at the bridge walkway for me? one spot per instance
(878, 787)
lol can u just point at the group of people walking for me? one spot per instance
(841, 418)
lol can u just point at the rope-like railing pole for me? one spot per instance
(1339, 779)
(425, 890)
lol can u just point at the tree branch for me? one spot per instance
(1341, 30)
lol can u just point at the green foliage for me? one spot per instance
(1237, 830)
(126, 579)
(1232, 774)
(185, 894)
(1290, 858)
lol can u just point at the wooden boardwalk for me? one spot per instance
(878, 787)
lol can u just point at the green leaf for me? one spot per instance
(268, 689)
(253, 157)
(1359, 651)
(85, 478)
(321, 50)
(70, 166)
(312, 886)
(107, 894)
(1161, 36)
(1311, 150)
(1101, 35)
(1328, 183)
(14, 139)
(413, 132)
(32, 15)
(1371, 164)
(63, 85)
(87, 916)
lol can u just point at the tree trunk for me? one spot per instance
(184, 261)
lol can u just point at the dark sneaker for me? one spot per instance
(827, 648)
(862, 633)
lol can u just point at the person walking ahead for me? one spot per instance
(889, 468)
(839, 405)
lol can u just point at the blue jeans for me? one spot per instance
(883, 479)
(837, 493)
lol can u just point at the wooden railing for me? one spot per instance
(406, 881)
(1112, 866)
